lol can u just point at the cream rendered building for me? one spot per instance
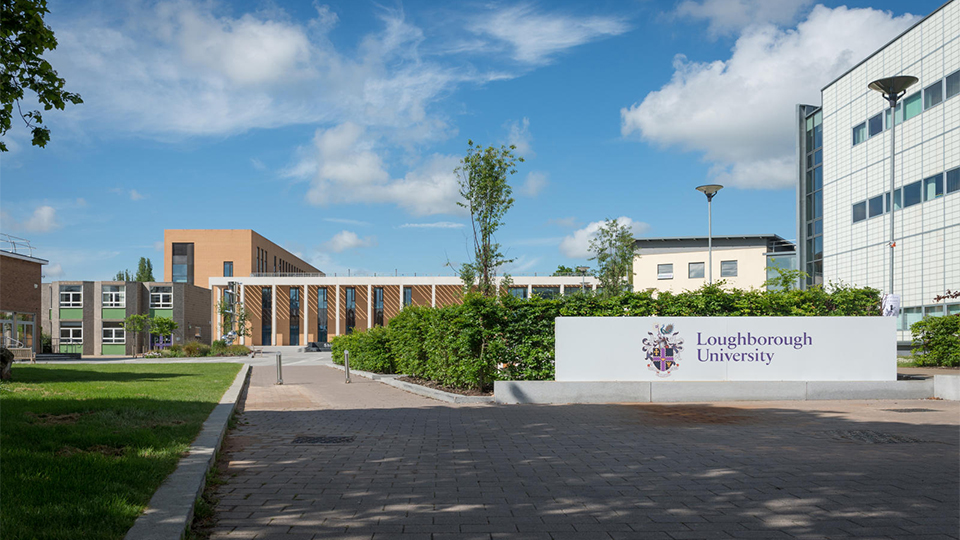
(680, 264)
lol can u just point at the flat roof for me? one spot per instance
(874, 53)
(23, 257)
(704, 238)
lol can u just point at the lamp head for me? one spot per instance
(893, 87)
(583, 269)
(710, 190)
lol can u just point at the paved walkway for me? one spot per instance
(420, 469)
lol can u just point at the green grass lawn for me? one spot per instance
(84, 447)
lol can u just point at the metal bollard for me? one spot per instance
(346, 366)
(279, 370)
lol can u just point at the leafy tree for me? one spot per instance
(163, 326)
(123, 275)
(482, 176)
(23, 40)
(144, 270)
(785, 279)
(564, 271)
(614, 249)
(138, 324)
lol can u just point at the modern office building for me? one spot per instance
(295, 310)
(20, 298)
(679, 264)
(195, 255)
(843, 165)
(86, 317)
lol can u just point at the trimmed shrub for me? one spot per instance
(369, 351)
(218, 348)
(237, 350)
(195, 349)
(175, 350)
(936, 341)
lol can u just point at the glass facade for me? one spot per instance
(812, 245)
(266, 316)
(407, 296)
(351, 307)
(322, 315)
(182, 265)
(378, 306)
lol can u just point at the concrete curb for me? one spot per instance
(432, 393)
(170, 511)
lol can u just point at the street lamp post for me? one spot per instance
(710, 190)
(583, 278)
(892, 89)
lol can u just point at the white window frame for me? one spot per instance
(74, 298)
(664, 275)
(117, 299)
(736, 269)
(75, 335)
(703, 270)
(117, 336)
(161, 300)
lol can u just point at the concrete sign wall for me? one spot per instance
(726, 349)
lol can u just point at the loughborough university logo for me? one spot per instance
(662, 349)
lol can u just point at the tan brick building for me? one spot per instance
(20, 299)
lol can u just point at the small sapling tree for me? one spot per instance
(614, 249)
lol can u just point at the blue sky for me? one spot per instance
(333, 129)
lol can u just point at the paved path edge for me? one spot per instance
(432, 393)
(170, 511)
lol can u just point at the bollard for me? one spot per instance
(279, 370)
(346, 366)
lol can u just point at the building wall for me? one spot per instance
(20, 292)
(751, 269)
(927, 253)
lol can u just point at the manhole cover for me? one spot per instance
(323, 440)
(872, 437)
(910, 410)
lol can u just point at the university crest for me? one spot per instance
(662, 349)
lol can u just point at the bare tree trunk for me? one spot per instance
(6, 372)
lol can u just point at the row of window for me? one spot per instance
(924, 190)
(910, 315)
(113, 333)
(695, 270)
(115, 296)
(909, 107)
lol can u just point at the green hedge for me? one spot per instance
(483, 340)
(936, 341)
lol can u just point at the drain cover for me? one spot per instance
(910, 410)
(323, 440)
(872, 437)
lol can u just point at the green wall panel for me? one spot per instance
(114, 348)
(71, 314)
(168, 313)
(71, 348)
(114, 313)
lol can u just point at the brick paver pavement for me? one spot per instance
(421, 469)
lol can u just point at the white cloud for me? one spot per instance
(257, 164)
(158, 245)
(53, 271)
(519, 265)
(435, 225)
(81, 202)
(535, 37)
(519, 135)
(343, 166)
(729, 16)
(564, 222)
(43, 219)
(135, 195)
(740, 112)
(535, 183)
(344, 240)
(577, 245)
(348, 221)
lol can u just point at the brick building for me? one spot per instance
(20, 298)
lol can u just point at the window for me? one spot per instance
(266, 316)
(378, 306)
(71, 296)
(912, 194)
(898, 117)
(114, 296)
(182, 264)
(859, 133)
(227, 268)
(351, 294)
(875, 124)
(322, 315)
(952, 83)
(896, 200)
(910, 315)
(518, 292)
(932, 95)
(161, 297)
(294, 315)
(728, 268)
(933, 187)
(875, 206)
(547, 292)
(665, 271)
(912, 106)
(859, 212)
(113, 333)
(407, 296)
(695, 270)
(933, 311)
(953, 180)
(71, 332)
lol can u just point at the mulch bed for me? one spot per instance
(437, 386)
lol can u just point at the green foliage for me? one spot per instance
(46, 342)
(194, 349)
(24, 38)
(175, 350)
(218, 348)
(785, 279)
(614, 250)
(163, 326)
(237, 350)
(369, 351)
(482, 176)
(138, 324)
(144, 270)
(564, 271)
(123, 275)
(936, 341)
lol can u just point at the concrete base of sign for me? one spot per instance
(510, 392)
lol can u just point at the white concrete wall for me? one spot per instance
(751, 269)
